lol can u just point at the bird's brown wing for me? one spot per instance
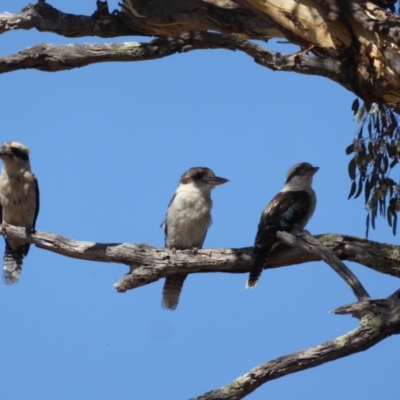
(283, 213)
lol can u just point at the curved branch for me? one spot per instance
(149, 264)
(379, 318)
(46, 57)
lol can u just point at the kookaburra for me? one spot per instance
(188, 218)
(19, 204)
(288, 211)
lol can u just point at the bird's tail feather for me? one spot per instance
(172, 290)
(255, 274)
(13, 263)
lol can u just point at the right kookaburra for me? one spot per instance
(188, 218)
(288, 211)
(19, 204)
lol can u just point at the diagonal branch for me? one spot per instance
(149, 264)
(306, 242)
(379, 319)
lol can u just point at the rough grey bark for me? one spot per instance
(46, 57)
(354, 43)
(378, 318)
(149, 264)
(358, 39)
(307, 242)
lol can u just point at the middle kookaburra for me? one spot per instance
(288, 211)
(188, 218)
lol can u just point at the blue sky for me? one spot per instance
(108, 145)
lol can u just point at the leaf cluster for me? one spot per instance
(376, 151)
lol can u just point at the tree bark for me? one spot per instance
(355, 43)
(149, 264)
(379, 318)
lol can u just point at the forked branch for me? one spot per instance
(307, 242)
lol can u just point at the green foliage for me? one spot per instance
(375, 151)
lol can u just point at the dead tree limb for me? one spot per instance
(379, 319)
(45, 57)
(356, 46)
(307, 242)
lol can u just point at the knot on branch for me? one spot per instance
(388, 310)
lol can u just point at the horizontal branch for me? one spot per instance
(149, 264)
(379, 319)
(51, 58)
(45, 18)
(155, 18)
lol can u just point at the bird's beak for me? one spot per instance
(312, 171)
(216, 180)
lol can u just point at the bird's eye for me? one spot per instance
(198, 176)
(19, 154)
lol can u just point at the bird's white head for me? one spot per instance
(299, 177)
(14, 153)
(202, 177)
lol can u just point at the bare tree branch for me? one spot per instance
(305, 241)
(355, 44)
(46, 18)
(46, 57)
(360, 54)
(379, 319)
(150, 264)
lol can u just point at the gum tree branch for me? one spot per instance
(332, 41)
(161, 19)
(355, 45)
(307, 242)
(47, 57)
(379, 319)
(149, 264)
(45, 18)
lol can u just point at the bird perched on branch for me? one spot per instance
(188, 218)
(288, 211)
(19, 204)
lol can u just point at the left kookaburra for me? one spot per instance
(19, 204)
(288, 211)
(188, 218)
